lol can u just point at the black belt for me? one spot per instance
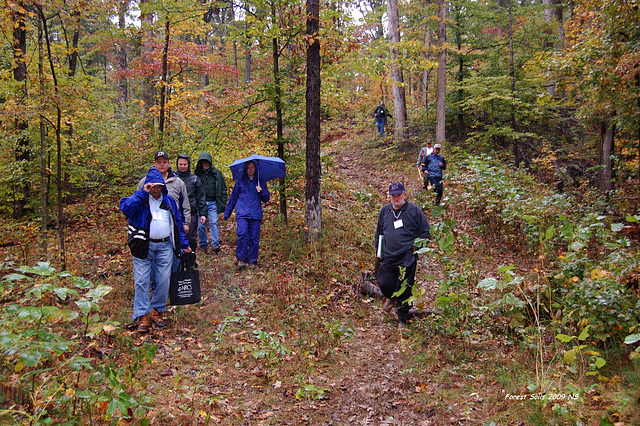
(161, 240)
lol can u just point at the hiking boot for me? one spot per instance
(144, 323)
(216, 250)
(241, 265)
(204, 249)
(156, 317)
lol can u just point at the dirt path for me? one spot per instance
(242, 357)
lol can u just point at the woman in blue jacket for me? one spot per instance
(247, 197)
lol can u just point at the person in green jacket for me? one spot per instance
(215, 189)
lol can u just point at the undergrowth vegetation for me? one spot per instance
(530, 292)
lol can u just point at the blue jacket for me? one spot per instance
(136, 208)
(432, 164)
(246, 199)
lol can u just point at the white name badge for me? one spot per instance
(157, 215)
(397, 224)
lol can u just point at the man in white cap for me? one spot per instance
(422, 156)
(400, 223)
(432, 168)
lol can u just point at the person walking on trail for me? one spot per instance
(400, 223)
(215, 190)
(155, 233)
(422, 156)
(432, 168)
(178, 191)
(381, 114)
(197, 198)
(249, 192)
(176, 187)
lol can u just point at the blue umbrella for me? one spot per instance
(269, 168)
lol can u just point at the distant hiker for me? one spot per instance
(399, 224)
(176, 187)
(155, 234)
(381, 114)
(432, 167)
(197, 198)
(249, 192)
(215, 189)
(422, 156)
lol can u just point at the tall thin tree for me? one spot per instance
(313, 211)
(441, 84)
(399, 100)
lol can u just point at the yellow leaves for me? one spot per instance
(599, 273)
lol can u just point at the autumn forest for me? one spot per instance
(528, 291)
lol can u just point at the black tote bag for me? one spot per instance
(184, 288)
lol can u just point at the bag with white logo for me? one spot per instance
(184, 288)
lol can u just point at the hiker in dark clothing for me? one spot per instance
(399, 224)
(432, 167)
(215, 189)
(381, 114)
(197, 198)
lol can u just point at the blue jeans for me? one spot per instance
(212, 214)
(380, 125)
(159, 261)
(248, 239)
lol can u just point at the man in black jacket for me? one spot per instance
(399, 224)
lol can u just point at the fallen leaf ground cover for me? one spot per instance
(291, 342)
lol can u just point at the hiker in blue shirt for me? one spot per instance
(432, 168)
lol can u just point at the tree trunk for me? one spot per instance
(148, 89)
(517, 155)
(22, 152)
(605, 175)
(442, 74)
(399, 100)
(61, 221)
(73, 55)
(313, 205)
(163, 78)
(123, 96)
(278, 108)
(44, 188)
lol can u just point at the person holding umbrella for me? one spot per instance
(249, 192)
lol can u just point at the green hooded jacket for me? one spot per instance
(215, 186)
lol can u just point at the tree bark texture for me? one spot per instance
(399, 99)
(441, 85)
(313, 205)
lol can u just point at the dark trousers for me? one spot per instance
(390, 279)
(192, 235)
(248, 239)
(436, 185)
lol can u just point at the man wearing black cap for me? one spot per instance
(399, 224)
(176, 187)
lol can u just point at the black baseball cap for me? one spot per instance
(161, 154)
(396, 188)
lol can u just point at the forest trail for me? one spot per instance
(227, 358)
